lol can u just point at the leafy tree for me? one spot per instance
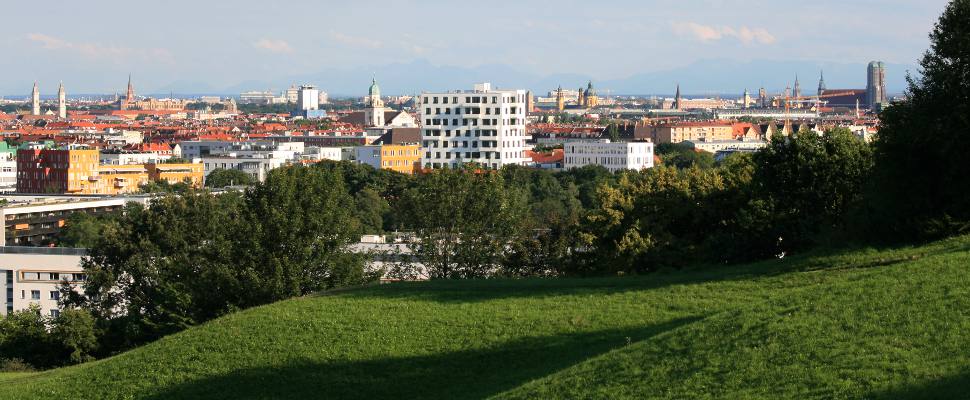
(74, 329)
(24, 336)
(682, 156)
(922, 180)
(220, 178)
(464, 221)
(82, 230)
(301, 226)
(811, 182)
(370, 208)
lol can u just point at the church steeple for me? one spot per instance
(677, 103)
(131, 89)
(35, 100)
(61, 102)
(798, 87)
(821, 82)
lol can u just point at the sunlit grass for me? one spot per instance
(884, 324)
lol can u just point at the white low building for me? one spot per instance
(614, 156)
(714, 146)
(255, 159)
(34, 275)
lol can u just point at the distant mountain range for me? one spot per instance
(701, 78)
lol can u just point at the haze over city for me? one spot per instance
(632, 47)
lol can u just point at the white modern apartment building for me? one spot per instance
(254, 158)
(127, 158)
(614, 156)
(483, 125)
(33, 276)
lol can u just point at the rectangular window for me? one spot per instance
(55, 295)
(35, 294)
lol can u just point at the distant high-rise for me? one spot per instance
(61, 102)
(876, 84)
(35, 101)
(763, 97)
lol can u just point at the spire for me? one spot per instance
(131, 90)
(35, 100)
(677, 98)
(821, 82)
(61, 102)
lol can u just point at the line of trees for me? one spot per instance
(194, 256)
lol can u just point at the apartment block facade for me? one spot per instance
(79, 171)
(614, 156)
(403, 158)
(483, 126)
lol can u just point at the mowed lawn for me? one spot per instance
(865, 324)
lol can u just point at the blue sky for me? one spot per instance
(177, 44)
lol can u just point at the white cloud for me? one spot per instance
(97, 50)
(356, 41)
(275, 46)
(707, 33)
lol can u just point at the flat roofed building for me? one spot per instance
(34, 275)
(484, 126)
(403, 158)
(614, 156)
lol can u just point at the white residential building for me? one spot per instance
(327, 153)
(714, 146)
(614, 156)
(33, 276)
(253, 158)
(128, 158)
(483, 125)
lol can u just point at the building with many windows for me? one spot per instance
(78, 170)
(614, 156)
(403, 158)
(33, 276)
(484, 126)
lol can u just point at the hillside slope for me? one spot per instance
(889, 324)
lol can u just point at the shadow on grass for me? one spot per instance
(493, 289)
(951, 387)
(457, 375)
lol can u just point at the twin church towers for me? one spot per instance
(61, 101)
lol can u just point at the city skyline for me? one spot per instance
(81, 45)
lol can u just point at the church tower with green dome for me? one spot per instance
(374, 113)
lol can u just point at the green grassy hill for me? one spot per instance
(864, 324)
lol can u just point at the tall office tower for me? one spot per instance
(763, 97)
(61, 102)
(374, 113)
(876, 84)
(821, 82)
(484, 126)
(35, 101)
